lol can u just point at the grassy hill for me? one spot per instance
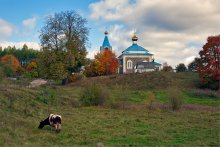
(124, 119)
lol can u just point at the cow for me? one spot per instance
(53, 120)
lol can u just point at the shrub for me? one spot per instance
(2, 74)
(175, 98)
(93, 95)
(75, 77)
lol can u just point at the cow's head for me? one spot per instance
(57, 123)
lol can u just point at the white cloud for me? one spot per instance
(111, 9)
(6, 29)
(33, 45)
(169, 28)
(92, 52)
(189, 59)
(29, 23)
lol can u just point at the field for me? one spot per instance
(125, 119)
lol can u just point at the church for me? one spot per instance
(134, 59)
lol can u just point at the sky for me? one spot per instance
(173, 30)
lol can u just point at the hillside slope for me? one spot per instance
(151, 80)
(22, 108)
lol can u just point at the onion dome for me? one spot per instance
(134, 38)
(106, 32)
(135, 49)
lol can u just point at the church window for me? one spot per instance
(129, 64)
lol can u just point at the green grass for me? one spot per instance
(162, 96)
(87, 126)
(22, 108)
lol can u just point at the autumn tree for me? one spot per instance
(33, 69)
(11, 61)
(63, 39)
(181, 68)
(209, 63)
(167, 68)
(105, 63)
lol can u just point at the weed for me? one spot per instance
(175, 98)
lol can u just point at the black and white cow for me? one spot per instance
(53, 120)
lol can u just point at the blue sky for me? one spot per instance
(17, 11)
(174, 31)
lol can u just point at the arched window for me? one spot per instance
(129, 64)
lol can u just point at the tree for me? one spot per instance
(24, 55)
(105, 63)
(33, 69)
(167, 68)
(63, 39)
(57, 71)
(181, 68)
(11, 61)
(209, 63)
(193, 65)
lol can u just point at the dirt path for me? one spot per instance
(37, 83)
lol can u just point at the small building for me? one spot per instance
(136, 59)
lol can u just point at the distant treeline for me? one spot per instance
(24, 54)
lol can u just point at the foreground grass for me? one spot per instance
(87, 126)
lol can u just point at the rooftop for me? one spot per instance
(106, 43)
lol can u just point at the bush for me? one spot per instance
(2, 74)
(213, 85)
(175, 98)
(93, 95)
(75, 77)
(6, 70)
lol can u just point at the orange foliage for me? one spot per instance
(105, 63)
(11, 61)
(167, 68)
(32, 65)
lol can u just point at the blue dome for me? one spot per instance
(136, 49)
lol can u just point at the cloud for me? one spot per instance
(6, 29)
(112, 9)
(33, 45)
(173, 30)
(189, 59)
(29, 23)
(92, 52)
